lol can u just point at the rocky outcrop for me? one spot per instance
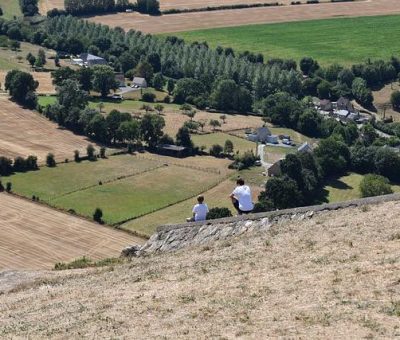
(174, 237)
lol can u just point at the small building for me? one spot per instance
(263, 135)
(90, 60)
(342, 114)
(77, 61)
(139, 82)
(275, 169)
(305, 147)
(173, 150)
(120, 78)
(326, 105)
(344, 104)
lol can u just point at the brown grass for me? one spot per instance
(24, 132)
(33, 236)
(44, 78)
(335, 276)
(236, 17)
(382, 101)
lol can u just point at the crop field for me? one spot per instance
(130, 186)
(239, 17)
(382, 101)
(215, 197)
(24, 132)
(208, 140)
(33, 236)
(47, 5)
(44, 78)
(345, 40)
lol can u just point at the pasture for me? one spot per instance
(33, 236)
(344, 40)
(239, 17)
(124, 186)
(215, 197)
(10, 9)
(174, 118)
(208, 140)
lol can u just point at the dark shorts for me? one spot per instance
(240, 212)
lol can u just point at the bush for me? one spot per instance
(216, 150)
(103, 152)
(97, 215)
(375, 185)
(149, 97)
(91, 152)
(8, 187)
(216, 212)
(50, 161)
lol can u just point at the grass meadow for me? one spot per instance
(10, 8)
(342, 40)
(208, 140)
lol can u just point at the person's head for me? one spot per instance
(240, 181)
(200, 199)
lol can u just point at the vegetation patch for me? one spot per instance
(345, 40)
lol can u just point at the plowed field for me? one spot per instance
(34, 236)
(236, 17)
(24, 132)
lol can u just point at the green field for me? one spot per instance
(10, 8)
(208, 140)
(146, 186)
(346, 188)
(344, 40)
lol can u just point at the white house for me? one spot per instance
(263, 135)
(305, 147)
(139, 82)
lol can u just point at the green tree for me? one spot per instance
(214, 123)
(151, 128)
(158, 81)
(129, 131)
(29, 7)
(170, 86)
(283, 192)
(144, 70)
(218, 212)
(333, 156)
(41, 56)
(104, 79)
(21, 87)
(228, 147)
(31, 59)
(183, 138)
(50, 161)
(159, 108)
(84, 76)
(90, 151)
(375, 185)
(98, 215)
(114, 119)
(62, 74)
(216, 150)
(308, 65)
(70, 95)
(395, 100)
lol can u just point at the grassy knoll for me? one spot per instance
(215, 197)
(346, 188)
(239, 144)
(137, 195)
(49, 183)
(344, 40)
(10, 8)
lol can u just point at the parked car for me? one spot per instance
(117, 97)
(257, 163)
(286, 141)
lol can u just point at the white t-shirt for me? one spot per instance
(243, 195)
(200, 211)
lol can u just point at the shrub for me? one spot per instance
(97, 215)
(218, 213)
(216, 150)
(149, 97)
(8, 187)
(50, 161)
(103, 152)
(375, 185)
(90, 150)
(77, 158)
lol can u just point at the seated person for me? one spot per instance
(199, 211)
(241, 198)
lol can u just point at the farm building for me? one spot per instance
(326, 105)
(344, 104)
(173, 150)
(90, 60)
(139, 82)
(305, 147)
(263, 135)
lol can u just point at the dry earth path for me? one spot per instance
(236, 17)
(33, 236)
(24, 132)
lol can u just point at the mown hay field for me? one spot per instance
(24, 132)
(33, 236)
(208, 140)
(344, 40)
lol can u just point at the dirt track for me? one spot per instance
(33, 236)
(226, 18)
(24, 132)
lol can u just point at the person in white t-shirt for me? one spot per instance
(199, 211)
(241, 198)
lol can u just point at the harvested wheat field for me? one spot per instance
(33, 236)
(382, 101)
(44, 78)
(24, 132)
(335, 276)
(238, 17)
(47, 5)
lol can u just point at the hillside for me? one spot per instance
(333, 276)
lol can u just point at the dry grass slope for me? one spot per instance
(334, 276)
(33, 236)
